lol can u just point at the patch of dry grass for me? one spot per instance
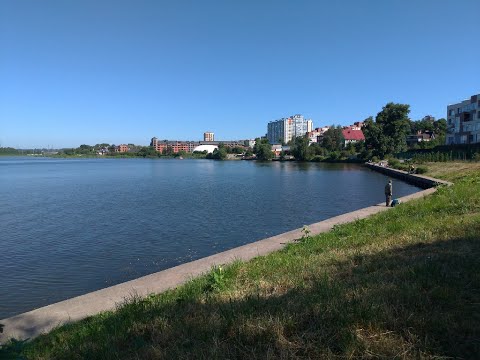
(453, 171)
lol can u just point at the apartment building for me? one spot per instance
(188, 146)
(162, 145)
(463, 122)
(208, 136)
(285, 129)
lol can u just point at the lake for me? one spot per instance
(71, 226)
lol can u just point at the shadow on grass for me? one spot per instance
(417, 301)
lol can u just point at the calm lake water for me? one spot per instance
(68, 227)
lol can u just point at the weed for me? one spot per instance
(215, 280)
(305, 234)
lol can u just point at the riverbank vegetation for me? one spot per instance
(401, 284)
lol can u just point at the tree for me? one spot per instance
(300, 148)
(387, 134)
(147, 151)
(218, 154)
(263, 149)
(235, 150)
(168, 151)
(101, 146)
(428, 123)
(440, 127)
(374, 138)
(359, 146)
(425, 124)
(395, 125)
(333, 139)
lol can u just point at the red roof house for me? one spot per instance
(352, 136)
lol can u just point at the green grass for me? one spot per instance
(400, 284)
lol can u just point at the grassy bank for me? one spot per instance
(403, 283)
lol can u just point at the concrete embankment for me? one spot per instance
(42, 320)
(424, 182)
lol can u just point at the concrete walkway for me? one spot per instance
(42, 320)
(422, 181)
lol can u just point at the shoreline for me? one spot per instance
(42, 320)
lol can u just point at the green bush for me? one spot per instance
(318, 158)
(394, 163)
(421, 169)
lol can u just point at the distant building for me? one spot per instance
(208, 136)
(357, 125)
(463, 121)
(122, 148)
(278, 148)
(250, 143)
(176, 146)
(316, 136)
(227, 143)
(285, 129)
(420, 136)
(352, 136)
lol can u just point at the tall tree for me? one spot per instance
(374, 137)
(333, 139)
(440, 127)
(395, 125)
(387, 135)
(300, 148)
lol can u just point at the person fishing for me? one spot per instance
(388, 193)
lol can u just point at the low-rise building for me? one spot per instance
(463, 121)
(122, 148)
(420, 136)
(176, 146)
(352, 136)
(278, 148)
(315, 136)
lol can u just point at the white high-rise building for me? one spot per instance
(286, 129)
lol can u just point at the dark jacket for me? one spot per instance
(388, 189)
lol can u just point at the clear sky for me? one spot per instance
(123, 71)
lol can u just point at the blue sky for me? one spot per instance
(75, 72)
